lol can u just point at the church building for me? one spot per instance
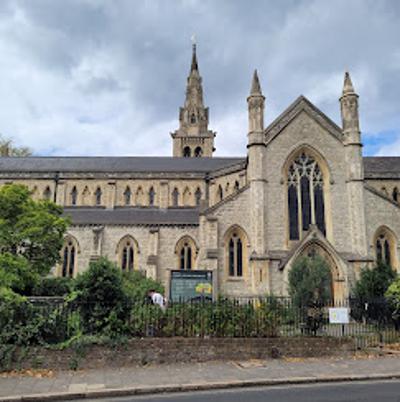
(301, 187)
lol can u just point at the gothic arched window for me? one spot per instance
(192, 118)
(187, 195)
(127, 252)
(127, 196)
(139, 196)
(395, 194)
(68, 254)
(152, 196)
(198, 152)
(185, 257)
(383, 254)
(220, 193)
(305, 196)
(186, 152)
(47, 193)
(97, 196)
(236, 185)
(74, 196)
(197, 196)
(235, 255)
(175, 197)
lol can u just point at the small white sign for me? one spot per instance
(339, 315)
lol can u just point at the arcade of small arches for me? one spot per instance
(188, 197)
(188, 152)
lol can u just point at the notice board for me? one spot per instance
(190, 285)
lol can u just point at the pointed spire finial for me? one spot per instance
(255, 85)
(194, 65)
(348, 85)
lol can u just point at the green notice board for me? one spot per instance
(191, 285)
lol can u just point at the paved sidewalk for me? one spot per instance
(91, 383)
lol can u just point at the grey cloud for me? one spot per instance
(117, 69)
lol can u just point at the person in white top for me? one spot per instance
(157, 298)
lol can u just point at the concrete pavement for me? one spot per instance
(106, 382)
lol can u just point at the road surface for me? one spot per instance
(377, 391)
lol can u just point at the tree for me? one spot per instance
(310, 282)
(101, 297)
(369, 300)
(31, 236)
(373, 283)
(7, 148)
(393, 296)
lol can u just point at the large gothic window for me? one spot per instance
(68, 258)
(305, 196)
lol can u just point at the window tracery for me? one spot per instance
(305, 196)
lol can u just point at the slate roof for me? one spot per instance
(374, 167)
(133, 216)
(119, 164)
(384, 167)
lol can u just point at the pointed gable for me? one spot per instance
(301, 104)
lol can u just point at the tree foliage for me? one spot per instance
(310, 282)
(101, 297)
(7, 148)
(136, 286)
(393, 294)
(373, 283)
(31, 236)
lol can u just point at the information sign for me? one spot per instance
(191, 285)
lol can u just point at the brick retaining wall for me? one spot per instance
(178, 350)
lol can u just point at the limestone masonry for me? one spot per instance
(303, 188)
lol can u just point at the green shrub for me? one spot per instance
(393, 296)
(373, 283)
(369, 301)
(22, 323)
(310, 282)
(136, 286)
(101, 298)
(53, 286)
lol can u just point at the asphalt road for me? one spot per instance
(382, 391)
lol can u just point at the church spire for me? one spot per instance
(256, 102)
(349, 111)
(193, 138)
(194, 65)
(255, 85)
(348, 85)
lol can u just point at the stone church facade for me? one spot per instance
(303, 187)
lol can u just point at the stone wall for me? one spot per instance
(180, 350)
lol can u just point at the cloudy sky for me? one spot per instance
(106, 77)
